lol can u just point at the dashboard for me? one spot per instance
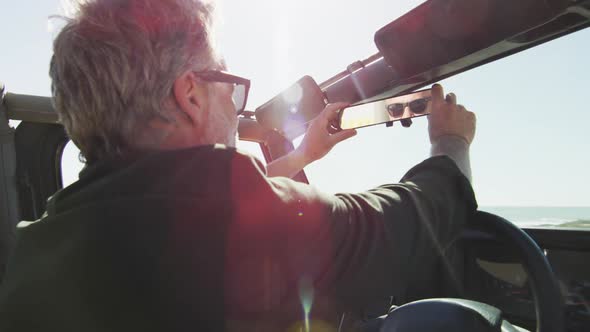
(494, 276)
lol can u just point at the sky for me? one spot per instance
(531, 146)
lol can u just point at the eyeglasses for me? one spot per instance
(417, 106)
(241, 86)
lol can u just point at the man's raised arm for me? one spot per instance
(315, 145)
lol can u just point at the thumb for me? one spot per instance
(437, 95)
(331, 110)
(342, 135)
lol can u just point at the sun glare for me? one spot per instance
(56, 21)
(68, 7)
(280, 41)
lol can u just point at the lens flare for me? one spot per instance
(314, 325)
(306, 297)
(293, 95)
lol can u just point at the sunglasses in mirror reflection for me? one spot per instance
(397, 108)
(409, 105)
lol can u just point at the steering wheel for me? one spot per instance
(459, 315)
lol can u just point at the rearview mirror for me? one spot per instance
(386, 111)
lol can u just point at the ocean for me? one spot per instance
(543, 215)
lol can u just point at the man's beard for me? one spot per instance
(220, 130)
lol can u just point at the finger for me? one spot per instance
(327, 113)
(331, 110)
(342, 135)
(461, 108)
(451, 98)
(437, 94)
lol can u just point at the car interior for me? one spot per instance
(530, 278)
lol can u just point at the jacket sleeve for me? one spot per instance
(396, 233)
(352, 247)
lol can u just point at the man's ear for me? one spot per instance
(191, 96)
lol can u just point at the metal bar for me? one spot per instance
(364, 82)
(29, 108)
(347, 72)
(8, 188)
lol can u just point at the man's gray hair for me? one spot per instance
(114, 67)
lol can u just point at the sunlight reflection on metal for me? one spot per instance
(358, 87)
(51, 26)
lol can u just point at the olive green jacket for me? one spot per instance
(202, 240)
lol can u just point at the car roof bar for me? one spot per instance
(29, 108)
(349, 70)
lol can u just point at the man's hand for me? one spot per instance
(451, 128)
(316, 144)
(448, 118)
(318, 141)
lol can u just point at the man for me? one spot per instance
(171, 229)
